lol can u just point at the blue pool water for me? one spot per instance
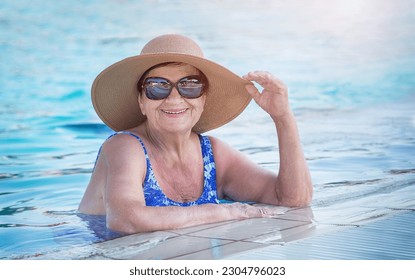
(349, 66)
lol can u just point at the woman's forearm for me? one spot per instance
(146, 218)
(294, 187)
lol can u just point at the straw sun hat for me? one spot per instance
(114, 91)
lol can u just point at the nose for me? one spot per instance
(174, 95)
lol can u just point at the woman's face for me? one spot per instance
(174, 113)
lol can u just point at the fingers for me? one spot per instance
(270, 212)
(253, 91)
(267, 212)
(261, 77)
(265, 79)
(246, 211)
(258, 77)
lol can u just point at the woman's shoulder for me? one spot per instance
(223, 152)
(125, 143)
(218, 144)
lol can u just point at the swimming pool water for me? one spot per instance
(349, 66)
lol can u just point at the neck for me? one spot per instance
(174, 144)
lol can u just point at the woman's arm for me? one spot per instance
(241, 179)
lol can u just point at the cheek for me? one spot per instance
(202, 101)
(141, 105)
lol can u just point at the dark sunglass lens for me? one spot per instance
(191, 92)
(156, 93)
(190, 87)
(157, 88)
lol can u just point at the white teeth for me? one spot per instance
(174, 113)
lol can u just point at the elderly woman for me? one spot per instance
(158, 171)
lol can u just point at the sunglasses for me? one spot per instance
(157, 88)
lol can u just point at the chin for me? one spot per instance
(178, 129)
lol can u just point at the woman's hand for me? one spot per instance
(240, 211)
(274, 97)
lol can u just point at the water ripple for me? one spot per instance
(401, 171)
(45, 173)
(9, 211)
(351, 183)
(29, 225)
(386, 185)
(4, 176)
(87, 127)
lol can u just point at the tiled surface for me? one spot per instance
(392, 238)
(191, 230)
(170, 248)
(343, 215)
(284, 236)
(245, 229)
(379, 226)
(222, 252)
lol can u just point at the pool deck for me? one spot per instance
(379, 227)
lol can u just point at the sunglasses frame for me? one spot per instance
(172, 85)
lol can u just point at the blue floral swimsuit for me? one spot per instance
(153, 193)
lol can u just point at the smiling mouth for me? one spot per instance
(174, 112)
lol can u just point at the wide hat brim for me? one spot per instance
(114, 91)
